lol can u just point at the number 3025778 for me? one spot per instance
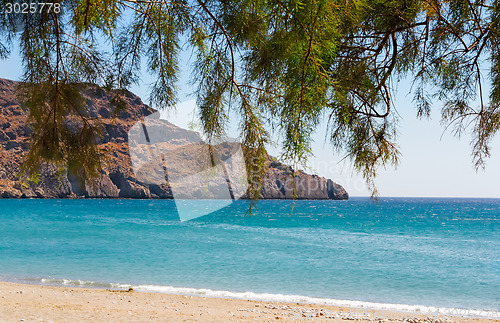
(33, 7)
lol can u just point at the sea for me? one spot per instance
(404, 254)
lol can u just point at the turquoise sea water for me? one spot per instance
(430, 252)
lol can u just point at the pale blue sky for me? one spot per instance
(431, 165)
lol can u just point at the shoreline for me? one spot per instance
(30, 302)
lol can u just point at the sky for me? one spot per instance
(433, 163)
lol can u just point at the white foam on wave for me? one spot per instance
(316, 300)
(75, 282)
(267, 297)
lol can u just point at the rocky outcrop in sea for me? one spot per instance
(117, 178)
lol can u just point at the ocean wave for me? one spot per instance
(268, 297)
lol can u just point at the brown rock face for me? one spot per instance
(117, 178)
(281, 181)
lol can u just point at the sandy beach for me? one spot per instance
(35, 303)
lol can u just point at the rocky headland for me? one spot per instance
(117, 178)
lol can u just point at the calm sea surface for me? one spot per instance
(431, 252)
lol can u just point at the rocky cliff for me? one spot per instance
(117, 177)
